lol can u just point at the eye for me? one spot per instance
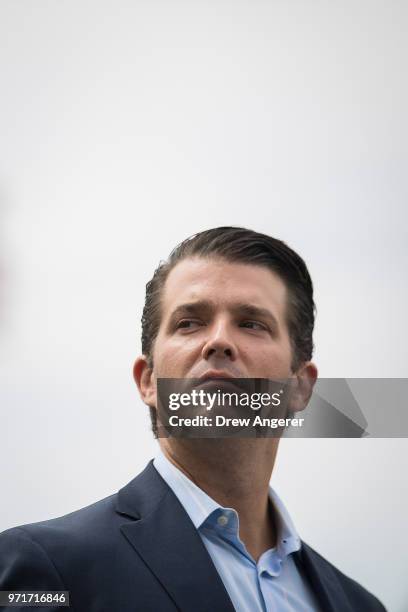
(188, 324)
(255, 325)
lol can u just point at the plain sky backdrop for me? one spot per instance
(127, 126)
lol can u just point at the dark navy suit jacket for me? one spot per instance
(138, 551)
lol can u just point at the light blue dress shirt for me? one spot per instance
(274, 584)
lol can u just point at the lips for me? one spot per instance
(215, 375)
(220, 380)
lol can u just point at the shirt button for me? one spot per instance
(222, 520)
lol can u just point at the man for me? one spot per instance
(200, 529)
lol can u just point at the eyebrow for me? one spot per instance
(205, 307)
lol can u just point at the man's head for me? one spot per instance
(229, 299)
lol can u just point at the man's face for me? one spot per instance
(224, 317)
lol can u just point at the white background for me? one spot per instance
(127, 126)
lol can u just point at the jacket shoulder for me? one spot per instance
(90, 532)
(78, 520)
(77, 534)
(358, 597)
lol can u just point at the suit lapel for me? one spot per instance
(323, 580)
(166, 539)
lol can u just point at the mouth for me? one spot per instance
(219, 380)
(211, 375)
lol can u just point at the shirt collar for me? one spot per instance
(199, 506)
(195, 501)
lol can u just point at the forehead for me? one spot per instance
(224, 283)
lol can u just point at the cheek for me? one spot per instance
(271, 361)
(173, 359)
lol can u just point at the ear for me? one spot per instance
(303, 382)
(145, 380)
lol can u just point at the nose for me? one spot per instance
(219, 344)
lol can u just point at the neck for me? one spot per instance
(236, 474)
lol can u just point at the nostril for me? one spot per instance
(221, 349)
